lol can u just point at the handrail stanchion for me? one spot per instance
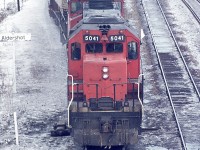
(72, 98)
(139, 90)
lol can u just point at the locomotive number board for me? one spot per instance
(91, 38)
(117, 38)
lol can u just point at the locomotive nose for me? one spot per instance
(105, 77)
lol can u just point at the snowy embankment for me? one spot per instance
(4, 3)
(8, 7)
(39, 68)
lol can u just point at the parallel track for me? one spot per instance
(195, 85)
(177, 78)
(61, 22)
(192, 11)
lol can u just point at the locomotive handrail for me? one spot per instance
(72, 98)
(139, 89)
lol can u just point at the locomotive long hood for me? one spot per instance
(106, 76)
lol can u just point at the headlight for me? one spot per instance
(105, 76)
(105, 69)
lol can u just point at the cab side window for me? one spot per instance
(76, 51)
(76, 6)
(132, 50)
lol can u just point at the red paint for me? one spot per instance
(89, 67)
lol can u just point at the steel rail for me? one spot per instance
(168, 91)
(191, 10)
(167, 87)
(182, 57)
(59, 21)
(180, 53)
(176, 43)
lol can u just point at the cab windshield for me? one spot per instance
(109, 47)
(114, 47)
(94, 48)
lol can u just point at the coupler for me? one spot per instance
(60, 130)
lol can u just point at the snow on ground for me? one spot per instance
(156, 112)
(4, 4)
(187, 31)
(8, 7)
(190, 30)
(41, 84)
(41, 69)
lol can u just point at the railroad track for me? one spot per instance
(181, 88)
(193, 74)
(192, 10)
(61, 22)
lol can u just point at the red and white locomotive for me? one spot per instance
(105, 84)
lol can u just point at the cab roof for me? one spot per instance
(93, 23)
(93, 18)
